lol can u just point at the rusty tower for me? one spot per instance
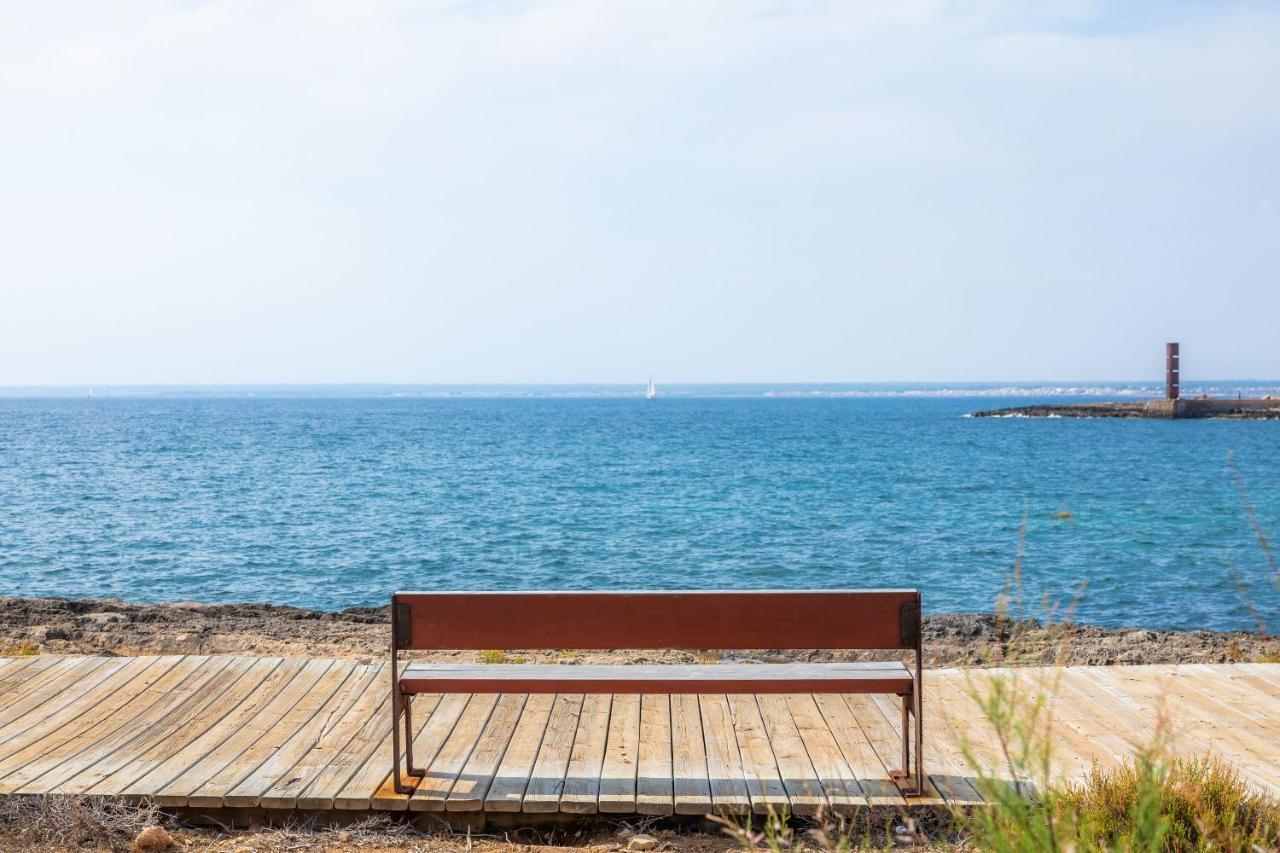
(1171, 371)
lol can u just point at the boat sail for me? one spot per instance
(650, 392)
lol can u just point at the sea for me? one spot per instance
(334, 496)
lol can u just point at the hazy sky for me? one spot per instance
(581, 190)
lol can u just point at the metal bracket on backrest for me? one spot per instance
(909, 624)
(402, 623)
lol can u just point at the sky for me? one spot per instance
(586, 191)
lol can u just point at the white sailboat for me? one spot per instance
(650, 392)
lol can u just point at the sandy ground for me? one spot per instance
(82, 626)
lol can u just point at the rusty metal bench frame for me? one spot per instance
(823, 619)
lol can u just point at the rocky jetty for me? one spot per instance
(1262, 408)
(1075, 410)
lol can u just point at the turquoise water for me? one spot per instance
(337, 501)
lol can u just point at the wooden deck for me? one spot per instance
(270, 733)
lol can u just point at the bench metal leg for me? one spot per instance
(906, 735)
(400, 787)
(401, 704)
(910, 778)
(918, 695)
(907, 782)
(408, 739)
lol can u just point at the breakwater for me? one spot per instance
(1263, 408)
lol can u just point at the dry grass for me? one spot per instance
(55, 822)
(1197, 804)
(828, 832)
(498, 656)
(377, 833)
(1178, 805)
(81, 823)
(19, 649)
(380, 834)
(1152, 803)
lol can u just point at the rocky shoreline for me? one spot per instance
(111, 627)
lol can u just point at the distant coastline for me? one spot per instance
(1129, 390)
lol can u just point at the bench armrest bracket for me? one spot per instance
(403, 623)
(909, 624)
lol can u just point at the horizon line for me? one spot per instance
(380, 384)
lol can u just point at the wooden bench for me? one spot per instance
(826, 619)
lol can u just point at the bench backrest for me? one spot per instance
(819, 619)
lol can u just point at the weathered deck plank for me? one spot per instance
(586, 761)
(169, 727)
(19, 678)
(724, 761)
(274, 782)
(56, 685)
(546, 781)
(263, 754)
(872, 778)
(88, 727)
(689, 756)
(148, 769)
(445, 769)
(838, 781)
(506, 792)
(336, 755)
(255, 727)
(472, 785)
(799, 778)
(622, 748)
(759, 766)
(40, 721)
(654, 784)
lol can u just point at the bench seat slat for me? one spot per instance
(878, 677)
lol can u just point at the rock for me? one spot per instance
(1140, 637)
(642, 842)
(153, 838)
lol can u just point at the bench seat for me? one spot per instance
(880, 677)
